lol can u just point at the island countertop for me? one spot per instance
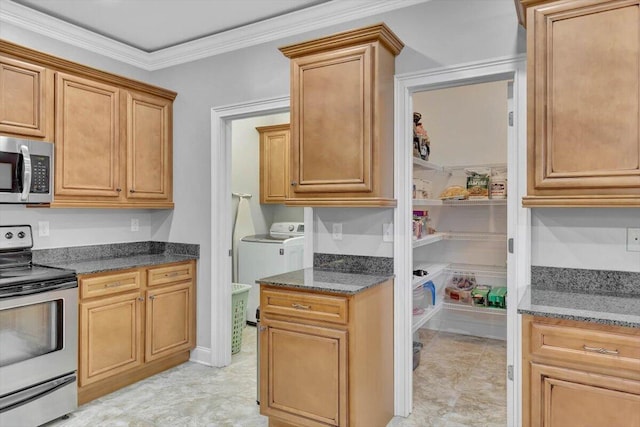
(603, 309)
(315, 279)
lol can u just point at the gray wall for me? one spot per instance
(436, 33)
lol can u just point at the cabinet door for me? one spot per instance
(303, 373)
(149, 131)
(563, 397)
(110, 336)
(26, 99)
(332, 122)
(87, 138)
(170, 324)
(274, 163)
(584, 102)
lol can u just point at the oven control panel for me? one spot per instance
(15, 237)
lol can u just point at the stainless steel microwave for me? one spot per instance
(26, 171)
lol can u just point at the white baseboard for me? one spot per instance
(201, 355)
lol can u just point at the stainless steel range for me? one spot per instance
(38, 334)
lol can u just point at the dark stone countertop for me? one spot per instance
(594, 308)
(314, 279)
(117, 256)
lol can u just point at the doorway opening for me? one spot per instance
(223, 209)
(464, 241)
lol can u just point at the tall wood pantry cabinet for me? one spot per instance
(342, 118)
(583, 101)
(112, 135)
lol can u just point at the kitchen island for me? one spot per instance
(326, 348)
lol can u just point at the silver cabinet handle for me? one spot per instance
(294, 183)
(26, 174)
(300, 306)
(600, 350)
(132, 191)
(140, 299)
(152, 297)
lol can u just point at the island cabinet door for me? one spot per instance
(303, 374)
(563, 397)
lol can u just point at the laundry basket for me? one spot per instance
(239, 299)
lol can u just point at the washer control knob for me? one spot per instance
(291, 227)
(9, 235)
(21, 235)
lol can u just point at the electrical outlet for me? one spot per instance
(135, 224)
(387, 232)
(337, 231)
(633, 239)
(43, 228)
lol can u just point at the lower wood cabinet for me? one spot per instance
(579, 374)
(133, 324)
(326, 359)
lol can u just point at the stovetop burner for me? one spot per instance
(16, 266)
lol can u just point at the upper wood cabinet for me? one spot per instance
(342, 119)
(583, 102)
(26, 100)
(88, 153)
(149, 157)
(274, 163)
(113, 136)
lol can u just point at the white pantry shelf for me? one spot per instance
(419, 320)
(425, 165)
(475, 236)
(474, 309)
(428, 239)
(475, 202)
(433, 270)
(427, 202)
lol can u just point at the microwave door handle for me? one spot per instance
(26, 173)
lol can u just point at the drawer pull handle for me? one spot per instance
(300, 306)
(113, 285)
(174, 274)
(600, 350)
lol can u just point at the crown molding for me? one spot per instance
(305, 20)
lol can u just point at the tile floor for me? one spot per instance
(460, 382)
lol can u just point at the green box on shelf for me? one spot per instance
(498, 297)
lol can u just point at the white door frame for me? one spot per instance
(508, 68)
(221, 232)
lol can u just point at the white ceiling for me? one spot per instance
(151, 25)
(155, 34)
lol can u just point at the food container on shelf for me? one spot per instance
(498, 297)
(459, 288)
(479, 295)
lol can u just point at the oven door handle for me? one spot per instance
(26, 173)
(10, 402)
(23, 290)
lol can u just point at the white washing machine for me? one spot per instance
(265, 255)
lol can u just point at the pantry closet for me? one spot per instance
(459, 202)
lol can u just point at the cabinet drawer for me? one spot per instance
(169, 274)
(303, 305)
(582, 345)
(109, 284)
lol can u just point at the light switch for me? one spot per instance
(135, 224)
(337, 231)
(43, 228)
(387, 232)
